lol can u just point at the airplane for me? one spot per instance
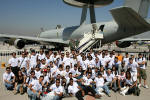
(142, 10)
(127, 22)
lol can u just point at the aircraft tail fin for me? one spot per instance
(130, 20)
(140, 6)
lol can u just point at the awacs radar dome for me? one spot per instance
(81, 3)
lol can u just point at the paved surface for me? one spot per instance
(8, 95)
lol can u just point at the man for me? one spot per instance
(33, 59)
(110, 80)
(76, 90)
(57, 89)
(132, 67)
(142, 70)
(23, 61)
(99, 81)
(13, 63)
(9, 79)
(35, 89)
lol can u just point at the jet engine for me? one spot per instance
(19, 44)
(123, 44)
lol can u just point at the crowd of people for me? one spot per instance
(50, 75)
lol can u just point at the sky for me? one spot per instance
(28, 16)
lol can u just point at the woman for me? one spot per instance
(19, 83)
(130, 85)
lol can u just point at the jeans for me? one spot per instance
(18, 87)
(114, 85)
(56, 97)
(9, 86)
(105, 88)
(32, 96)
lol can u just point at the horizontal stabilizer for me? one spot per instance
(130, 20)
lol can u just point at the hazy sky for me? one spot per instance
(28, 16)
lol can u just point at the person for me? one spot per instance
(13, 63)
(132, 67)
(142, 70)
(23, 61)
(130, 85)
(9, 79)
(35, 89)
(19, 83)
(76, 90)
(57, 89)
(99, 81)
(121, 79)
(110, 80)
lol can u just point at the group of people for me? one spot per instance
(50, 75)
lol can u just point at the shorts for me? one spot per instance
(142, 73)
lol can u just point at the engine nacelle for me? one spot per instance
(123, 44)
(19, 44)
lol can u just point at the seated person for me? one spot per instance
(57, 89)
(76, 90)
(99, 81)
(35, 89)
(9, 79)
(110, 80)
(19, 83)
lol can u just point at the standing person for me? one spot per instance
(23, 61)
(142, 70)
(33, 59)
(9, 79)
(132, 67)
(35, 89)
(13, 63)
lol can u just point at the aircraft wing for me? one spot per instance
(141, 37)
(34, 39)
(129, 20)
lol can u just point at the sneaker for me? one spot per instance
(15, 92)
(146, 86)
(109, 95)
(21, 90)
(122, 93)
(139, 85)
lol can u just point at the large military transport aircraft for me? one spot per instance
(128, 21)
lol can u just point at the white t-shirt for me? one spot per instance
(109, 78)
(7, 76)
(36, 85)
(56, 89)
(23, 62)
(41, 56)
(99, 81)
(67, 61)
(133, 67)
(46, 79)
(140, 60)
(126, 60)
(13, 62)
(87, 81)
(73, 89)
(33, 61)
(38, 74)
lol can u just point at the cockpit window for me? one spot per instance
(101, 28)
